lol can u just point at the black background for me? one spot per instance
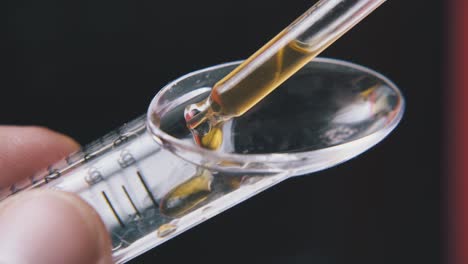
(85, 67)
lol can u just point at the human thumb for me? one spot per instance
(51, 227)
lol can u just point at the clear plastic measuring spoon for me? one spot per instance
(130, 175)
(149, 182)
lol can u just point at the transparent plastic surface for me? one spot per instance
(274, 63)
(149, 182)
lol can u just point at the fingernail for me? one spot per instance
(45, 226)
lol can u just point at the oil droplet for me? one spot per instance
(213, 139)
(186, 196)
(166, 229)
(207, 132)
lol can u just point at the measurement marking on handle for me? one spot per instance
(112, 209)
(131, 201)
(147, 190)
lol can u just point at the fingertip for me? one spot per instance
(46, 226)
(67, 143)
(25, 150)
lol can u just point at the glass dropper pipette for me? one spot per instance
(274, 63)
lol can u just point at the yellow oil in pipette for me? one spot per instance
(250, 90)
(260, 82)
(273, 64)
(235, 101)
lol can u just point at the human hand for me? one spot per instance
(45, 226)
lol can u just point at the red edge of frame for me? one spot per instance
(457, 114)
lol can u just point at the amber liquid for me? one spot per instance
(235, 100)
(233, 95)
(248, 84)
